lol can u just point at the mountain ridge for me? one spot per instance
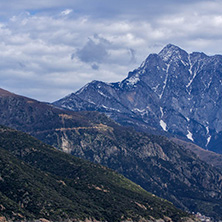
(173, 91)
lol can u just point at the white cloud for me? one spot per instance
(66, 12)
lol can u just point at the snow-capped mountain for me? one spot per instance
(173, 91)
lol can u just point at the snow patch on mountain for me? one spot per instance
(167, 52)
(102, 94)
(190, 135)
(139, 110)
(133, 80)
(165, 81)
(191, 80)
(109, 108)
(208, 140)
(161, 111)
(163, 125)
(187, 118)
(90, 101)
(184, 63)
(207, 129)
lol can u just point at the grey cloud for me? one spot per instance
(95, 50)
(95, 66)
(132, 55)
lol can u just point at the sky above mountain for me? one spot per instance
(51, 48)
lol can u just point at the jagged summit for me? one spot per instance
(171, 47)
(173, 91)
(171, 51)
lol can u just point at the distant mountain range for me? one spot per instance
(155, 163)
(173, 91)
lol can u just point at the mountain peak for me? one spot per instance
(171, 46)
(171, 51)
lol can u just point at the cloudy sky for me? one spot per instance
(50, 48)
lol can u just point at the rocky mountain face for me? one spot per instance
(154, 162)
(173, 91)
(38, 181)
(210, 157)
